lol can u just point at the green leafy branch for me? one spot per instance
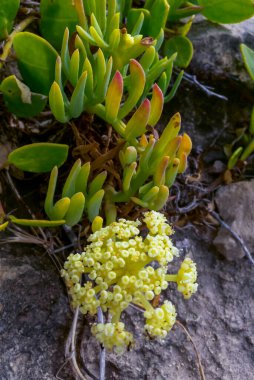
(93, 92)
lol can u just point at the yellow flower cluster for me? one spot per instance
(186, 278)
(161, 320)
(112, 336)
(120, 267)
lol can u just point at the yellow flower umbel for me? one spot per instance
(185, 278)
(112, 335)
(121, 268)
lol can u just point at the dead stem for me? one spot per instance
(207, 89)
(70, 346)
(109, 155)
(200, 367)
(234, 234)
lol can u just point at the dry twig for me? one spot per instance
(200, 367)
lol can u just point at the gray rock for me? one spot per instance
(217, 50)
(34, 314)
(235, 203)
(218, 63)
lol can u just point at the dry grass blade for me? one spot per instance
(200, 367)
(70, 347)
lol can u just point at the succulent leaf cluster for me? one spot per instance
(119, 267)
(77, 195)
(150, 166)
(98, 88)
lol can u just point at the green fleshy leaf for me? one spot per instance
(186, 11)
(36, 61)
(76, 209)
(137, 124)
(234, 158)
(56, 15)
(113, 97)
(156, 105)
(49, 200)
(227, 11)
(77, 99)
(8, 11)
(161, 199)
(158, 17)
(94, 204)
(97, 183)
(171, 172)
(60, 208)
(82, 178)
(69, 188)
(128, 174)
(151, 194)
(136, 85)
(248, 57)
(183, 47)
(3, 226)
(74, 67)
(56, 102)
(20, 100)
(39, 157)
(248, 151)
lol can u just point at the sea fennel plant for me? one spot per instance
(119, 268)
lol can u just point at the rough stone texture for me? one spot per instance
(217, 50)
(217, 62)
(235, 203)
(34, 315)
(35, 319)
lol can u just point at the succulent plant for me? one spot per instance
(150, 165)
(94, 92)
(78, 196)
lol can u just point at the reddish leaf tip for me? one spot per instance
(118, 79)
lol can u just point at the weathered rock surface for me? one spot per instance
(235, 203)
(34, 315)
(217, 50)
(217, 62)
(35, 320)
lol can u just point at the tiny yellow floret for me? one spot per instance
(186, 278)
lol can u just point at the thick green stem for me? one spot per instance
(137, 183)
(171, 277)
(116, 317)
(100, 111)
(7, 47)
(146, 304)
